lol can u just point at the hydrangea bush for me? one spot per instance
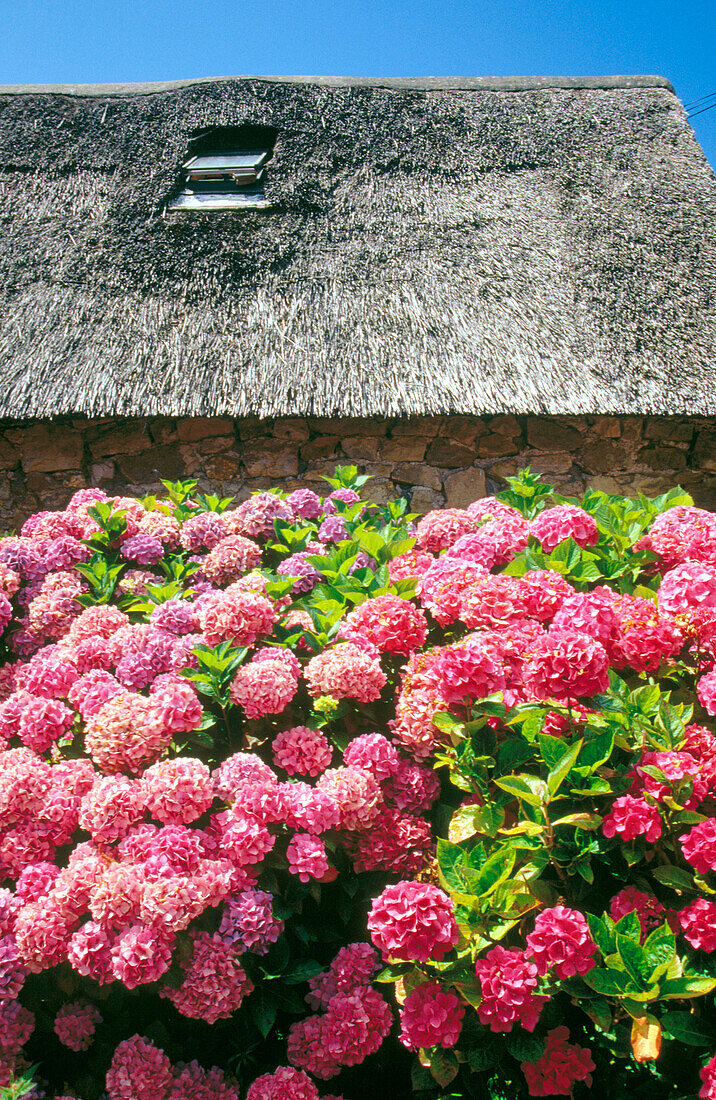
(303, 791)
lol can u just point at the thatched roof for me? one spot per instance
(432, 246)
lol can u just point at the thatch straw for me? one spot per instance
(516, 245)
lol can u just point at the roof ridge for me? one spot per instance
(427, 83)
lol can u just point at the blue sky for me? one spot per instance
(71, 41)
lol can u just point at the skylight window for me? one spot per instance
(226, 170)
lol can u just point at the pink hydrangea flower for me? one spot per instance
(413, 920)
(282, 1084)
(566, 665)
(111, 807)
(708, 1077)
(141, 955)
(356, 794)
(306, 857)
(559, 1068)
(263, 687)
(564, 521)
(177, 792)
(75, 1025)
(391, 623)
(139, 1071)
(632, 817)
(688, 587)
(374, 753)
(398, 842)
(234, 616)
(561, 941)
(144, 549)
(508, 980)
(441, 528)
(649, 909)
(706, 691)
(430, 1016)
(302, 751)
(304, 504)
(698, 923)
(12, 969)
(254, 518)
(126, 734)
(412, 787)
(699, 846)
(346, 672)
(16, 1026)
(248, 923)
(468, 671)
(214, 983)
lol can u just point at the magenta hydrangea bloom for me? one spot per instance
(431, 1016)
(632, 817)
(306, 857)
(302, 751)
(508, 979)
(413, 920)
(139, 1071)
(561, 942)
(699, 846)
(75, 1025)
(283, 1083)
(559, 1068)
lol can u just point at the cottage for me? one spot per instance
(247, 280)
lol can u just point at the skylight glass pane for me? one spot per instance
(217, 201)
(227, 161)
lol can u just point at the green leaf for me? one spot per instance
(602, 935)
(302, 971)
(611, 983)
(687, 1028)
(660, 947)
(629, 927)
(684, 988)
(563, 768)
(513, 753)
(495, 870)
(444, 1066)
(523, 1046)
(596, 750)
(635, 960)
(520, 788)
(675, 877)
(468, 820)
(552, 749)
(451, 868)
(263, 1009)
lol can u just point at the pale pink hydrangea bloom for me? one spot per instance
(355, 792)
(230, 559)
(238, 617)
(263, 687)
(430, 1016)
(126, 734)
(140, 955)
(178, 791)
(111, 807)
(413, 920)
(346, 672)
(254, 518)
(12, 968)
(302, 751)
(203, 531)
(304, 504)
(75, 1025)
(248, 923)
(441, 528)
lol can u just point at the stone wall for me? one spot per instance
(433, 461)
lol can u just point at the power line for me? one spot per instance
(695, 102)
(703, 110)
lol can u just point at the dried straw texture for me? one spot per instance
(435, 248)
